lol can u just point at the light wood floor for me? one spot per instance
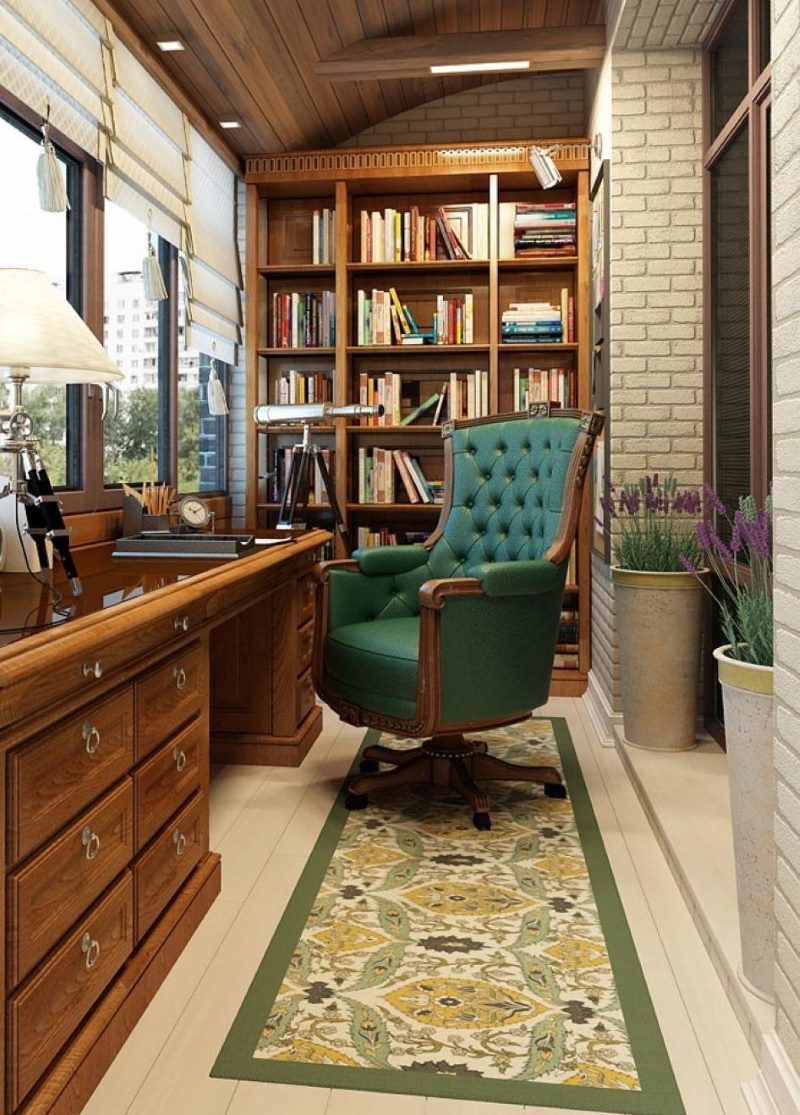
(264, 821)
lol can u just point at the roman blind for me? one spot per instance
(57, 52)
(213, 276)
(148, 149)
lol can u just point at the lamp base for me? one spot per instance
(15, 543)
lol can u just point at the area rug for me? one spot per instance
(420, 956)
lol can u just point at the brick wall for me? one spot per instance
(786, 427)
(541, 106)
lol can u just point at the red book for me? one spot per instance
(405, 476)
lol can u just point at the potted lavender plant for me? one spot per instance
(743, 589)
(658, 611)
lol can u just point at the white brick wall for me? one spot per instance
(786, 426)
(664, 23)
(541, 106)
(656, 265)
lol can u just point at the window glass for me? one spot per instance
(36, 239)
(730, 297)
(131, 334)
(729, 69)
(764, 44)
(201, 436)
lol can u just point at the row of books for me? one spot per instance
(303, 319)
(545, 228)
(366, 538)
(382, 319)
(409, 236)
(387, 391)
(303, 387)
(539, 322)
(568, 630)
(323, 236)
(544, 385)
(280, 461)
(376, 477)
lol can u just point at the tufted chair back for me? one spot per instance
(506, 498)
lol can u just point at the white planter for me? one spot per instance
(658, 626)
(749, 731)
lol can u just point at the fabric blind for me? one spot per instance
(57, 52)
(148, 150)
(213, 276)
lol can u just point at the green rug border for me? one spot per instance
(659, 1093)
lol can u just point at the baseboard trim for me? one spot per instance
(600, 712)
(776, 1090)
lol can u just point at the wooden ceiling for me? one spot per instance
(253, 60)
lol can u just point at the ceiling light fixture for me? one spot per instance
(480, 67)
(230, 124)
(169, 45)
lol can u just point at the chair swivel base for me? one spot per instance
(449, 761)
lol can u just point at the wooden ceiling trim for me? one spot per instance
(348, 22)
(551, 48)
(375, 23)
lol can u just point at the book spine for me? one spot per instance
(398, 237)
(405, 477)
(315, 236)
(571, 320)
(365, 255)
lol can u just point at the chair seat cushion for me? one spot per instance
(378, 658)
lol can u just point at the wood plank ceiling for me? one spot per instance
(253, 60)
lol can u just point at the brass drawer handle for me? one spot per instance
(179, 674)
(179, 840)
(90, 947)
(91, 737)
(91, 842)
(93, 669)
(181, 623)
(179, 755)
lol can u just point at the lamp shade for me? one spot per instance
(42, 338)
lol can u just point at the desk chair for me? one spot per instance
(459, 634)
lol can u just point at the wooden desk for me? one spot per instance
(106, 724)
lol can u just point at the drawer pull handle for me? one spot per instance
(179, 840)
(179, 755)
(91, 737)
(93, 669)
(90, 947)
(181, 623)
(179, 674)
(91, 842)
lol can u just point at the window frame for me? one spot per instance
(752, 113)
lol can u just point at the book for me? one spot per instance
(405, 476)
(442, 396)
(429, 402)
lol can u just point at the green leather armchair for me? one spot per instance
(459, 634)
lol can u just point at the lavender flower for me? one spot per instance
(654, 523)
(687, 565)
(713, 502)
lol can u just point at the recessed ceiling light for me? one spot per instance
(230, 124)
(480, 67)
(168, 45)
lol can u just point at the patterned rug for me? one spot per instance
(420, 956)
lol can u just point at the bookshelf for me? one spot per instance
(483, 190)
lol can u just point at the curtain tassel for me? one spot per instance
(215, 394)
(52, 189)
(152, 279)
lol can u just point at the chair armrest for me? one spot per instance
(518, 578)
(323, 569)
(434, 592)
(378, 561)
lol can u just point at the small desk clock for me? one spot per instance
(195, 513)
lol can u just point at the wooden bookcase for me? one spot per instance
(282, 193)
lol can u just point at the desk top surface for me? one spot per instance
(30, 609)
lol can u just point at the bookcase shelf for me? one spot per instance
(483, 191)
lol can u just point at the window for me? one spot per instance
(47, 242)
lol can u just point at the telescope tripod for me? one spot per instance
(305, 458)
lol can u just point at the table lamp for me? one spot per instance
(42, 340)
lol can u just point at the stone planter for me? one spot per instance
(658, 626)
(749, 731)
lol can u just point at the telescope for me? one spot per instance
(312, 412)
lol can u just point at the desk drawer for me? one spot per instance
(305, 589)
(55, 888)
(304, 695)
(56, 775)
(169, 696)
(168, 778)
(48, 1008)
(305, 647)
(168, 862)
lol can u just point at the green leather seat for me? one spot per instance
(460, 633)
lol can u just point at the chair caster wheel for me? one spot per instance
(555, 790)
(482, 821)
(369, 766)
(356, 801)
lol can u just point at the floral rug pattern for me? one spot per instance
(434, 948)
